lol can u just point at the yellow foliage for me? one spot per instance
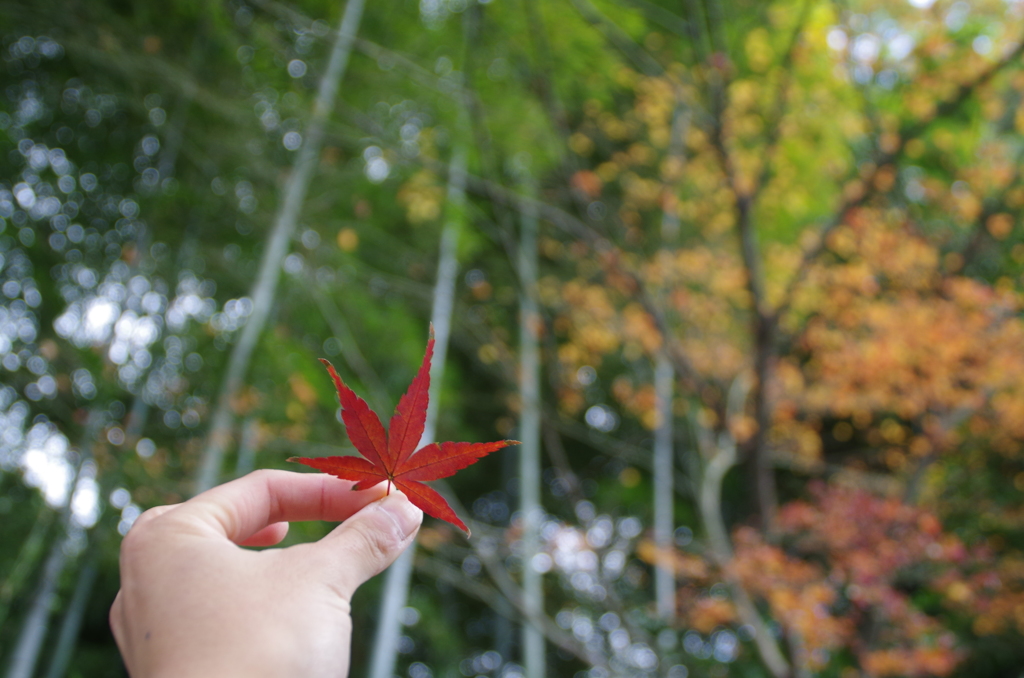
(302, 390)
(581, 144)
(422, 197)
(759, 50)
(348, 239)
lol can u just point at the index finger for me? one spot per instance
(241, 508)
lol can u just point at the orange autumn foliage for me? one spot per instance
(839, 580)
(892, 361)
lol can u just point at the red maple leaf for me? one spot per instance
(392, 455)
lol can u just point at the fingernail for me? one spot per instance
(401, 510)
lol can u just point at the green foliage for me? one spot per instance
(557, 89)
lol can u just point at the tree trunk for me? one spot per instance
(265, 286)
(720, 456)
(396, 582)
(529, 451)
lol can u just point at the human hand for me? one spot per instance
(193, 604)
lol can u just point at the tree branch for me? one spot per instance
(909, 132)
(618, 38)
(720, 456)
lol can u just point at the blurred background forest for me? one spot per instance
(746, 278)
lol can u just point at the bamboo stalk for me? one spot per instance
(248, 448)
(25, 563)
(265, 286)
(664, 378)
(37, 620)
(396, 581)
(529, 451)
(67, 639)
(664, 505)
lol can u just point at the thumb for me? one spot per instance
(370, 540)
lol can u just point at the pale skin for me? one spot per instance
(193, 603)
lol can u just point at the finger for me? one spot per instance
(268, 536)
(151, 514)
(241, 508)
(365, 544)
